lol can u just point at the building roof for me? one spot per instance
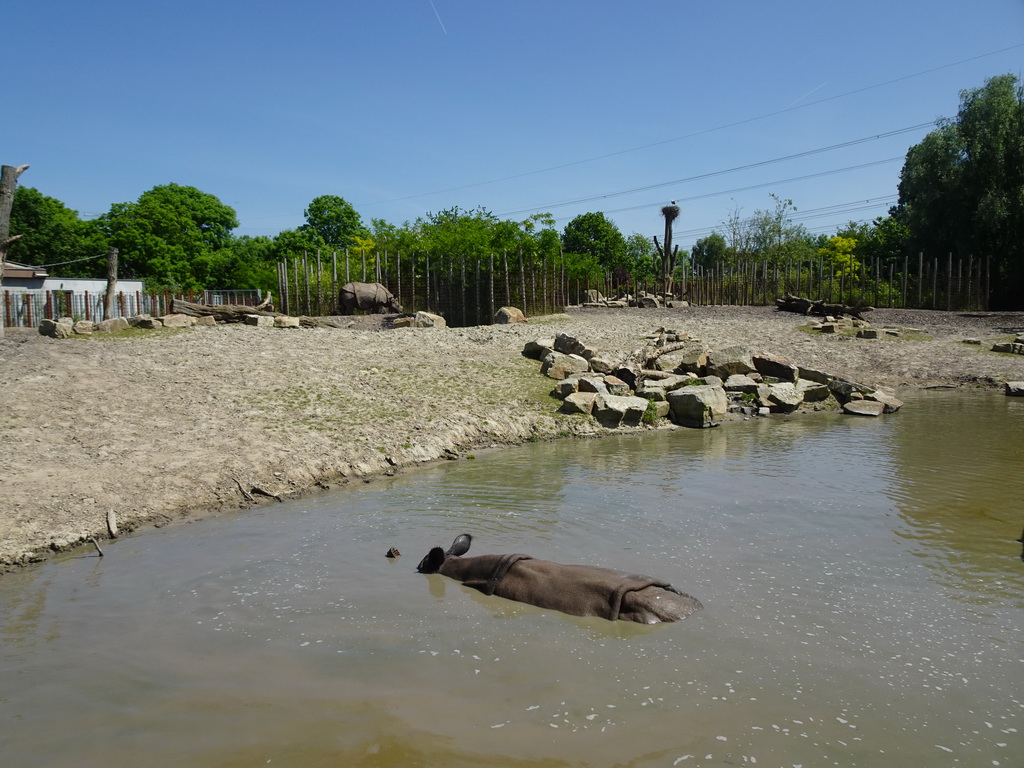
(13, 269)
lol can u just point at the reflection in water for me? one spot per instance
(863, 606)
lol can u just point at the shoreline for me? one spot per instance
(181, 425)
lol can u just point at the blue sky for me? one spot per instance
(404, 107)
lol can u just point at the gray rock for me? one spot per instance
(844, 391)
(84, 327)
(739, 382)
(891, 404)
(112, 325)
(812, 374)
(612, 411)
(617, 386)
(864, 408)
(1014, 389)
(206, 321)
(509, 315)
(146, 322)
(569, 345)
(538, 348)
(812, 391)
(579, 402)
(55, 329)
(604, 362)
(730, 360)
(593, 384)
(867, 333)
(259, 321)
(783, 397)
(178, 321)
(777, 367)
(559, 366)
(566, 387)
(283, 321)
(698, 406)
(693, 358)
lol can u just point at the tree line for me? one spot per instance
(961, 192)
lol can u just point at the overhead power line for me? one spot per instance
(724, 126)
(712, 174)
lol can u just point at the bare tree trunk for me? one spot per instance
(8, 183)
(108, 301)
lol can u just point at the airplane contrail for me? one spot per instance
(809, 93)
(438, 17)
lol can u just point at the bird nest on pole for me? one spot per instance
(670, 212)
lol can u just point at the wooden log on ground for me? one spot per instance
(223, 313)
(804, 306)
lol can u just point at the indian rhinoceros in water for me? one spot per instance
(368, 297)
(580, 590)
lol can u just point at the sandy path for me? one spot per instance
(164, 425)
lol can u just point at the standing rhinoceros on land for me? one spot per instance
(580, 590)
(368, 297)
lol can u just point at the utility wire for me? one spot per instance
(700, 177)
(704, 131)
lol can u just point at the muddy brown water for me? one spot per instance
(864, 606)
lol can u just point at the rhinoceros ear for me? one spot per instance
(432, 562)
(461, 545)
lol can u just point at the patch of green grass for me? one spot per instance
(650, 416)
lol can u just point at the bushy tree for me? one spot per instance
(169, 235)
(710, 251)
(962, 188)
(594, 235)
(334, 221)
(52, 233)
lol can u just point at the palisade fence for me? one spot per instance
(921, 283)
(465, 291)
(25, 308)
(469, 291)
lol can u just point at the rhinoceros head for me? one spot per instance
(435, 558)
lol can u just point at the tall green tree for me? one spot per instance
(594, 235)
(169, 235)
(710, 251)
(962, 188)
(52, 233)
(335, 221)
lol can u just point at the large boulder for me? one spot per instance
(83, 327)
(604, 361)
(55, 329)
(698, 406)
(740, 382)
(812, 391)
(783, 397)
(776, 367)
(561, 366)
(1014, 389)
(891, 404)
(509, 315)
(579, 402)
(844, 391)
(729, 360)
(613, 411)
(284, 321)
(692, 358)
(538, 349)
(112, 325)
(569, 345)
(184, 321)
(864, 408)
(419, 320)
(260, 321)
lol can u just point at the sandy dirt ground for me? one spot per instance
(168, 425)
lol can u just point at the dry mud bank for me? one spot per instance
(160, 426)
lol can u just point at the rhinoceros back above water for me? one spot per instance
(367, 297)
(579, 590)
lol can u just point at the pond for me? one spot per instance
(863, 592)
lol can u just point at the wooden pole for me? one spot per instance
(108, 300)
